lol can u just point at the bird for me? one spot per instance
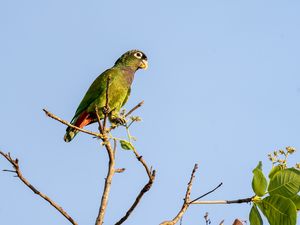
(119, 78)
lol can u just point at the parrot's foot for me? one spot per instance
(116, 121)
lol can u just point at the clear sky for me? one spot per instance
(222, 90)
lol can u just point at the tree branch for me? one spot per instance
(51, 115)
(148, 185)
(106, 108)
(185, 202)
(108, 180)
(134, 108)
(15, 164)
(206, 193)
(243, 200)
(111, 161)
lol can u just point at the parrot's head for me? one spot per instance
(135, 59)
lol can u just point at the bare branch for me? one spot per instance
(106, 108)
(151, 176)
(11, 171)
(206, 193)
(140, 158)
(111, 160)
(238, 201)
(120, 170)
(115, 146)
(134, 108)
(15, 164)
(185, 202)
(51, 115)
(99, 120)
(207, 220)
(137, 200)
(108, 180)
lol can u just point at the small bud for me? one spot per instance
(271, 158)
(136, 118)
(281, 152)
(275, 153)
(290, 149)
(133, 138)
(104, 143)
(122, 113)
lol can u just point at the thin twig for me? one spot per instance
(15, 164)
(207, 220)
(140, 158)
(181, 220)
(142, 192)
(51, 115)
(115, 146)
(106, 108)
(120, 170)
(99, 120)
(238, 201)
(206, 193)
(186, 200)
(134, 108)
(11, 171)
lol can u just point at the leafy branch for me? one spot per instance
(281, 194)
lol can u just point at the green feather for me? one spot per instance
(121, 76)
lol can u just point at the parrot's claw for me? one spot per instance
(119, 121)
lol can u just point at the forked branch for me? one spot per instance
(103, 135)
(17, 171)
(185, 202)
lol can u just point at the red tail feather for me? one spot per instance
(83, 120)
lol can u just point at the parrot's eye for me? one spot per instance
(138, 55)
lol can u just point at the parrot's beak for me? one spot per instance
(144, 64)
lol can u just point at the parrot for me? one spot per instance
(120, 77)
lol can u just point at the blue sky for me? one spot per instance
(222, 90)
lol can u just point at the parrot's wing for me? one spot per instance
(97, 89)
(126, 98)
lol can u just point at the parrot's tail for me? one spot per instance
(80, 121)
(70, 134)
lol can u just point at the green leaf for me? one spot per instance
(285, 182)
(279, 210)
(296, 200)
(254, 216)
(259, 182)
(274, 170)
(126, 145)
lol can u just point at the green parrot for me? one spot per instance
(121, 76)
